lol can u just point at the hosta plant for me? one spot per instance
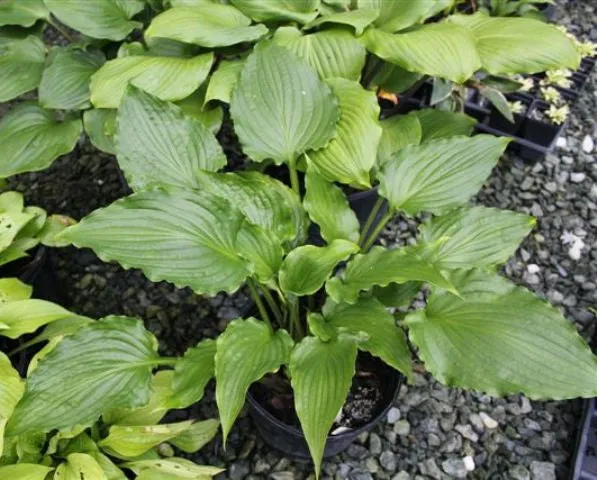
(318, 304)
(193, 52)
(90, 405)
(23, 228)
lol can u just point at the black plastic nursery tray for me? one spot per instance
(585, 463)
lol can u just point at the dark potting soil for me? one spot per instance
(368, 395)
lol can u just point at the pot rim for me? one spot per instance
(398, 378)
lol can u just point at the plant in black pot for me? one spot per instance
(319, 356)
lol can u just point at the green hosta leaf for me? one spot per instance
(168, 78)
(224, 80)
(12, 289)
(58, 328)
(263, 200)
(349, 157)
(129, 442)
(100, 127)
(60, 441)
(358, 19)
(394, 16)
(109, 19)
(150, 414)
(32, 139)
(397, 294)
(443, 124)
(499, 101)
(194, 106)
(247, 350)
(159, 146)
(518, 45)
(191, 374)
(439, 49)
(11, 390)
(333, 53)
(280, 108)
(187, 238)
(11, 223)
(441, 174)
(381, 267)
(385, 339)
(25, 471)
(263, 249)
(21, 65)
(175, 467)
(208, 25)
(65, 81)
(63, 391)
(327, 206)
(516, 342)
(26, 316)
(321, 374)
(398, 132)
(109, 467)
(80, 466)
(302, 11)
(306, 268)
(474, 237)
(197, 436)
(393, 78)
(23, 13)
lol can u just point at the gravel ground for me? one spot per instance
(432, 432)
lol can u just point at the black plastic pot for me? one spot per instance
(290, 440)
(585, 462)
(501, 123)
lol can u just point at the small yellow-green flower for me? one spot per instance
(558, 115)
(527, 84)
(560, 77)
(587, 49)
(516, 107)
(550, 95)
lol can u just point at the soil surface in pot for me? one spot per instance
(368, 395)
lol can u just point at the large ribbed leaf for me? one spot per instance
(106, 364)
(395, 16)
(26, 316)
(349, 157)
(187, 238)
(194, 106)
(280, 107)
(21, 66)
(358, 19)
(333, 53)
(443, 124)
(197, 436)
(328, 207)
(223, 80)
(191, 374)
(80, 466)
(398, 132)
(321, 375)
(263, 249)
(306, 268)
(32, 139)
(25, 471)
(12, 289)
(264, 200)
(246, 351)
(208, 25)
(171, 469)
(158, 145)
(474, 237)
(23, 13)
(439, 175)
(381, 267)
(518, 45)
(385, 339)
(301, 11)
(439, 49)
(168, 78)
(11, 389)
(65, 81)
(108, 19)
(501, 339)
(129, 442)
(100, 127)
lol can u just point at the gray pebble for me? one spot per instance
(543, 471)
(388, 461)
(455, 467)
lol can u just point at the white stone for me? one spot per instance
(577, 177)
(561, 142)
(393, 415)
(489, 422)
(533, 268)
(469, 463)
(588, 144)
